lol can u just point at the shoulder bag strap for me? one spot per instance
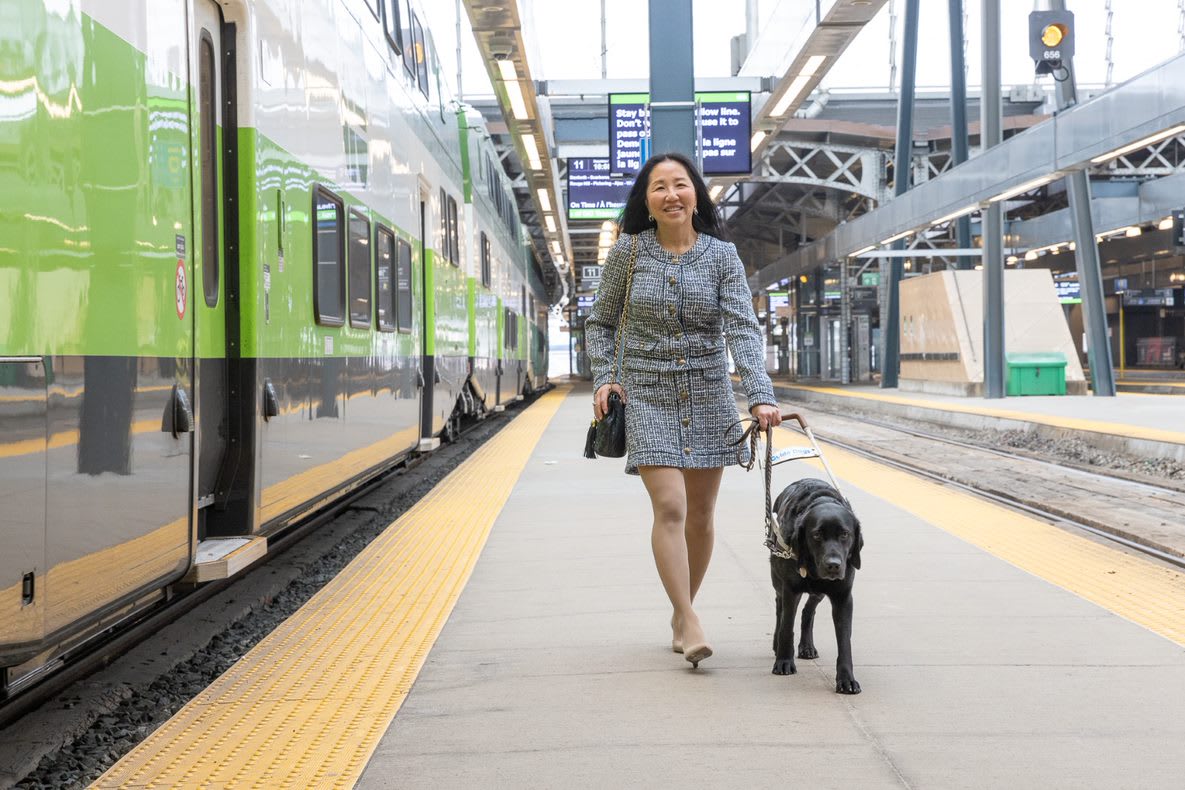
(619, 356)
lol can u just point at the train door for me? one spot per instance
(214, 93)
(428, 334)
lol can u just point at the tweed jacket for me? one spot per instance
(682, 311)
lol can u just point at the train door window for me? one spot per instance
(421, 56)
(384, 276)
(409, 54)
(403, 285)
(454, 234)
(393, 24)
(208, 118)
(358, 262)
(444, 229)
(485, 259)
(329, 285)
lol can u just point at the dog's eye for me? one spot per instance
(845, 535)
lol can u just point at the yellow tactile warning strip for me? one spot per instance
(1144, 592)
(307, 706)
(1075, 423)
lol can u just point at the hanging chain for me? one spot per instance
(893, 45)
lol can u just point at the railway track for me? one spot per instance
(1135, 512)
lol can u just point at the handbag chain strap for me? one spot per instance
(619, 348)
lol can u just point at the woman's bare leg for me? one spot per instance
(702, 486)
(668, 500)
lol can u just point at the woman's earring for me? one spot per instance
(650, 217)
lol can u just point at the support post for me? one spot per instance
(958, 112)
(672, 78)
(1086, 251)
(845, 319)
(993, 219)
(891, 325)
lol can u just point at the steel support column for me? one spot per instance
(993, 218)
(958, 114)
(1090, 276)
(672, 78)
(891, 325)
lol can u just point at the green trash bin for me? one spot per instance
(1037, 373)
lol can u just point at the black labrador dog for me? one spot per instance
(819, 527)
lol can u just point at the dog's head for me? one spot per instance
(825, 537)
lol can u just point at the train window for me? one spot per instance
(485, 260)
(409, 47)
(454, 234)
(403, 286)
(358, 262)
(329, 283)
(393, 24)
(384, 285)
(209, 133)
(421, 55)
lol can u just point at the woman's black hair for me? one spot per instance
(635, 217)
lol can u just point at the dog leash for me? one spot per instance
(752, 434)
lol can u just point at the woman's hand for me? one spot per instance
(601, 399)
(766, 415)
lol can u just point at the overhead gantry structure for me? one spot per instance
(821, 38)
(497, 29)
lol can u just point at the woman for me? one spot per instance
(688, 293)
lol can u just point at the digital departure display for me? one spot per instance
(593, 191)
(723, 126)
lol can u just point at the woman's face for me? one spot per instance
(670, 196)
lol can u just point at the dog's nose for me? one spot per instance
(833, 566)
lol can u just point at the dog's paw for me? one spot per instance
(785, 666)
(847, 686)
(807, 651)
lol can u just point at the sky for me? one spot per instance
(566, 42)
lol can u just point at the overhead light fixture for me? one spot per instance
(556, 248)
(898, 237)
(1031, 255)
(1127, 149)
(860, 252)
(1012, 259)
(791, 95)
(533, 160)
(549, 221)
(514, 90)
(1025, 187)
(1165, 224)
(544, 199)
(758, 136)
(716, 190)
(1133, 231)
(955, 214)
(812, 65)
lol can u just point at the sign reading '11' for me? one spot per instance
(722, 131)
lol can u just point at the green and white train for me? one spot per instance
(251, 255)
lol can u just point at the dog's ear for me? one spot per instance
(857, 544)
(798, 545)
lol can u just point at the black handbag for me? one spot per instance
(606, 437)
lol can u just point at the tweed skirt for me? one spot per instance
(685, 419)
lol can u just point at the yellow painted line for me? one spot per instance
(1075, 423)
(307, 706)
(1141, 591)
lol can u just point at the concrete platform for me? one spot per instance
(554, 669)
